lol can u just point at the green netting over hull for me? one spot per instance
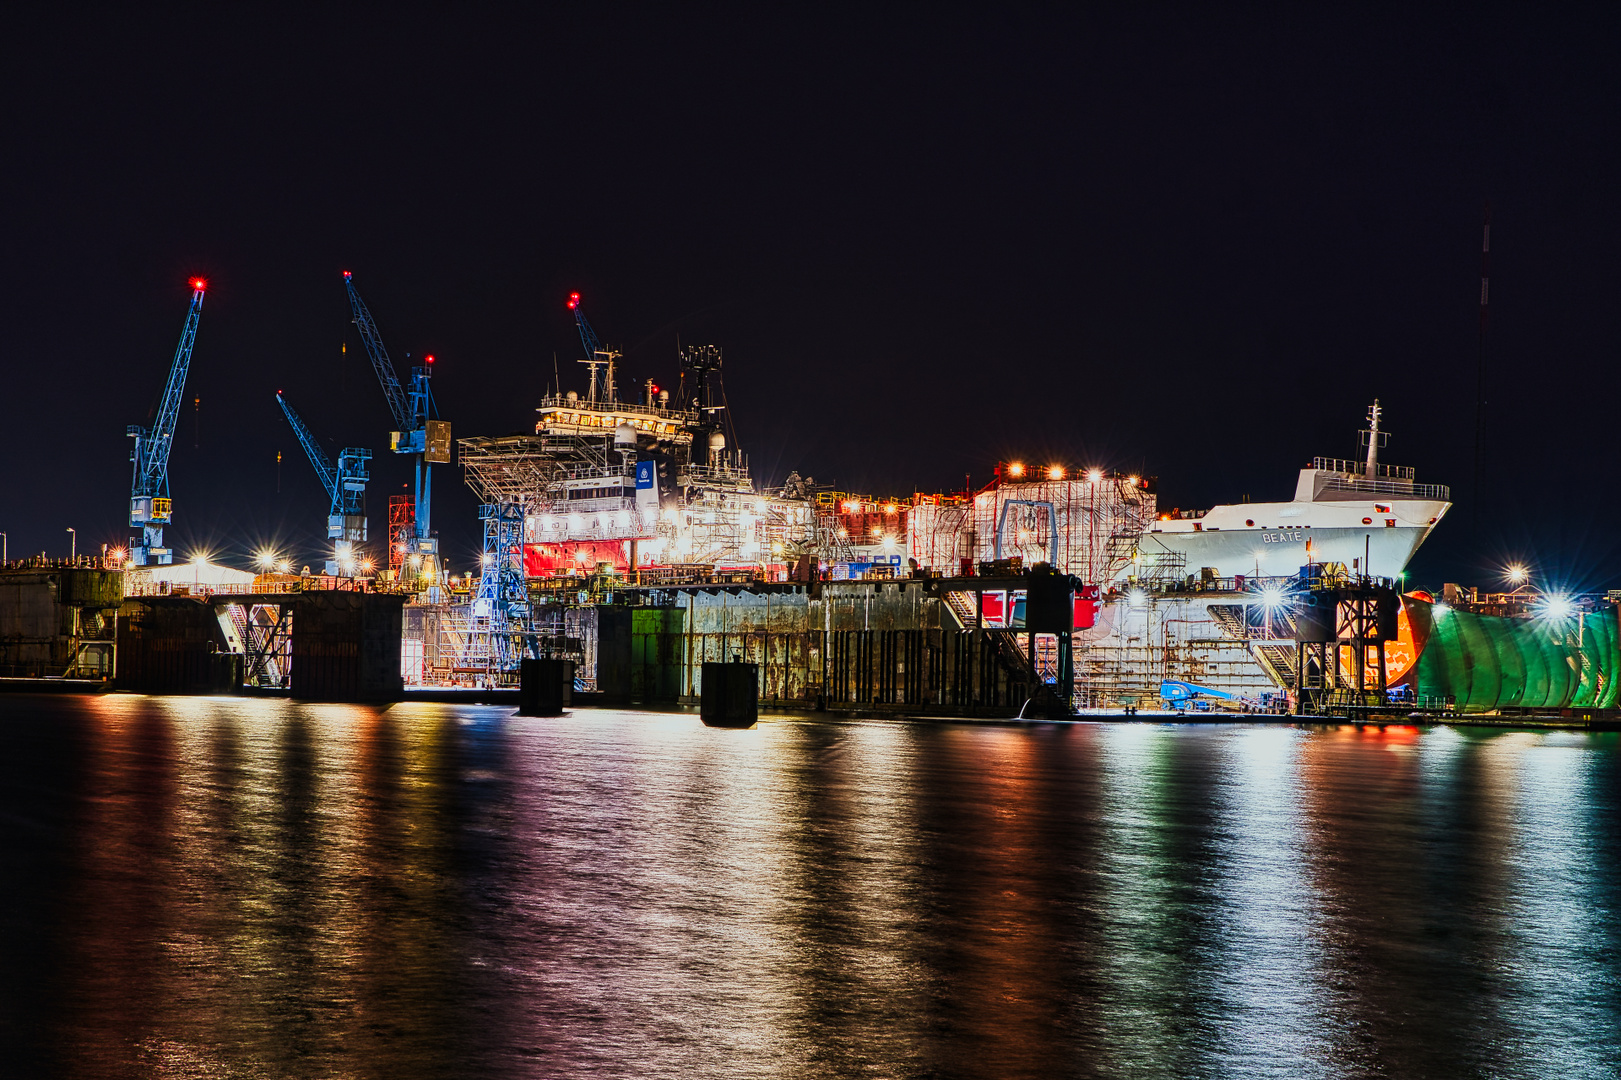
(1487, 662)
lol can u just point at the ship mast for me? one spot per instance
(1374, 439)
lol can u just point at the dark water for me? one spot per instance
(217, 888)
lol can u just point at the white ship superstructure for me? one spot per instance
(637, 484)
(1366, 515)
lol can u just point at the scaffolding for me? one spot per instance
(401, 530)
(1086, 527)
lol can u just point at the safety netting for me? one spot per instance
(1481, 663)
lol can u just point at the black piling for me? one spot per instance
(546, 687)
(730, 694)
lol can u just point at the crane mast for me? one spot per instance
(345, 485)
(150, 507)
(420, 432)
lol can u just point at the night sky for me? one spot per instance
(1186, 242)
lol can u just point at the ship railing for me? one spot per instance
(1404, 489)
(715, 472)
(602, 472)
(625, 408)
(1352, 467)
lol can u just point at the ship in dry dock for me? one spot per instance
(630, 526)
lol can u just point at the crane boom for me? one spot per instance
(602, 387)
(312, 449)
(588, 336)
(420, 433)
(346, 484)
(398, 403)
(149, 503)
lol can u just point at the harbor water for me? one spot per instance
(217, 887)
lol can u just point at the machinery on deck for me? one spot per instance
(150, 507)
(346, 485)
(420, 432)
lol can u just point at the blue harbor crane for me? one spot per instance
(420, 432)
(150, 507)
(346, 484)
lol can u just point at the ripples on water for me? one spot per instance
(210, 888)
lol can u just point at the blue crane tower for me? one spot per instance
(149, 504)
(420, 432)
(346, 484)
(503, 593)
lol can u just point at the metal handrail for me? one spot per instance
(1403, 488)
(1352, 467)
(560, 401)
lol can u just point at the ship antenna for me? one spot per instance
(1480, 370)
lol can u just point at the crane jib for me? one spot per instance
(381, 364)
(152, 444)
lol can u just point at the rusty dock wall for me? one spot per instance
(57, 618)
(339, 645)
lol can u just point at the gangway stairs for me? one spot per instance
(1275, 652)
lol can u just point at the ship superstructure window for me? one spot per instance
(602, 493)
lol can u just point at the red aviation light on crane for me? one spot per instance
(573, 300)
(428, 359)
(199, 284)
(347, 275)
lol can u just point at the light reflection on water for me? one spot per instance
(207, 887)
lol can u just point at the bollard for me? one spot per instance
(730, 694)
(545, 688)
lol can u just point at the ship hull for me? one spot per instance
(1379, 551)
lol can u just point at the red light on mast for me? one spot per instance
(198, 283)
(428, 358)
(573, 300)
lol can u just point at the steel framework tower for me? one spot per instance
(420, 430)
(149, 504)
(503, 593)
(346, 485)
